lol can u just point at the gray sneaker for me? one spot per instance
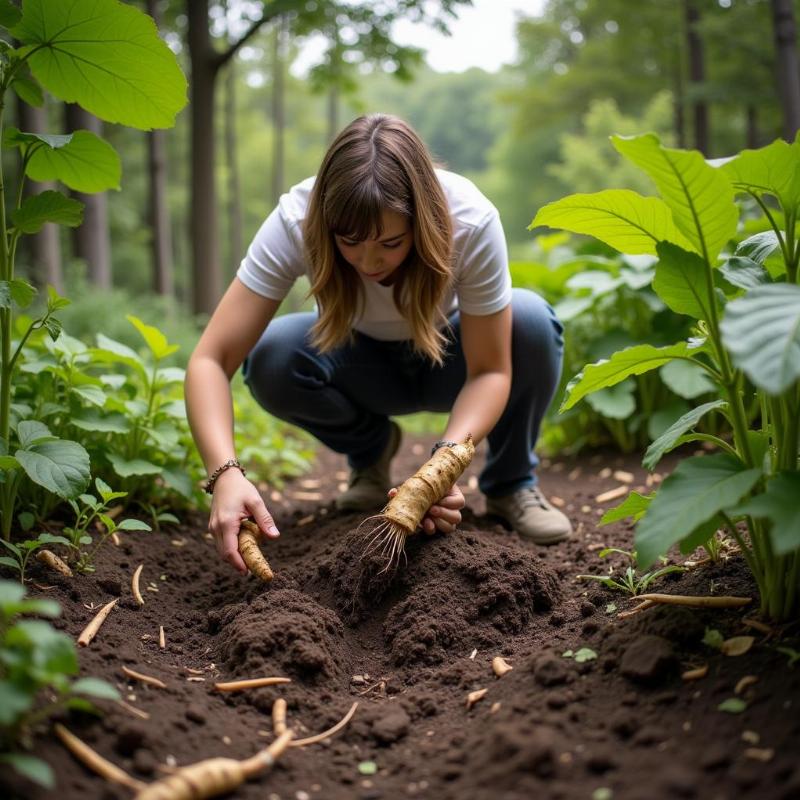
(367, 488)
(531, 516)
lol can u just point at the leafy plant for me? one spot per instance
(630, 581)
(745, 307)
(22, 551)
(37, 665)
(89, 510)
(108, 58)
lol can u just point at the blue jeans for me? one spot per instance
(345, 397)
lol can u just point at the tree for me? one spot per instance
(788, 70)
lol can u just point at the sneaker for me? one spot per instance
(368, 487)
(531, 516)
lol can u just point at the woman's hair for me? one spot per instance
(376, 164)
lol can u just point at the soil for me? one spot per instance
(410, 645)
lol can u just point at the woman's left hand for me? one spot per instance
(445, 515)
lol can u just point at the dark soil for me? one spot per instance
(411, 644)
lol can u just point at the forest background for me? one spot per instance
(717, 75)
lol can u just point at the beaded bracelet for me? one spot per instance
(442, 443)
(212, 478)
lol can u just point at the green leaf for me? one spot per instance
(91, 394)
(659, 421)
(700, 196)
(367, 768)
(607, 372)
(155, 340)
(6, 561)
(697, 490)
(686, 379)
(18, 291)
(133, 525)
(762, 332)
(669, 439)
(95, 687)
(116, 352)
(10, 593)
(774, 169)
(107, 57)
(47, 206)
(681, 282)
(92, 421)
(585, 654)
(744, 272)
(10, 15)
(621, 218)
(127, 468)
(615, 402)
(32, 768)
(778, 504)
(60, 466)
(634, 505)
(27, 89)
(31, 430)
(86, 163)
(713, 638)
(759, 247)
(733, 705)
(14, 702)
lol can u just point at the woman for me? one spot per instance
(415, 311)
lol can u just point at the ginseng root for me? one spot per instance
(213, 776)
(405, 511)
(50, 559)
(251, 552)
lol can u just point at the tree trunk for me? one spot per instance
(92, 239)
(206, 277)
(785, 33)
(697, 76)
(678, 105)
(752, 127)
(44, 248)
(158, 213)
(234, 190)
(278, 110)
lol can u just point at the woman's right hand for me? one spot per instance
(234, 500)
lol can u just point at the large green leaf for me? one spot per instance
(631, 361)
(31, 767)
(156, 341)
(107, 57)
(14, 702)
(779, 504)
(48, 206)
(681, 281)
(61, 466)
(759, 247)
(615, 402)
(695, 492)
(687, 379)
(128, 468)
(621, 218)
(762, 332)
(670, 438)
(81, 160)
(9, 14)
(744, 272)
(701, 197)
(774, 169)
(18, 290)
(634, 505)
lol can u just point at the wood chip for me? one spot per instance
(500, 666)
(761, 627)
(474, 697)
(279, 716)
(473, 654)
(751, 737)
(623, 477)
(612, 494)
(307, 496)
(115, 539)
(137, 595)
(179, 542)
(275, 496)
(195, 679)
(472, 482)
(137, 712)
(148, 679)
(744, 682)
(557, 501)
(162, 639)
(303, 521)
(605, 472)
(90, 631)
(310, 483)
(94, 761)
(737, 645)
(695, 674)
(763, 754)
(495, 708)
(575, 474)
(194, 671)
(250, 683)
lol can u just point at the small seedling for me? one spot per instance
(89, 510)
(630, 581)
(367, 768)
(713, 638)
(22, 551)
(794, 656)
(580, 656)
(733, 705)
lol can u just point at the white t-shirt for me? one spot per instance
(481, 286)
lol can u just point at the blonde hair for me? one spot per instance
(376, 164)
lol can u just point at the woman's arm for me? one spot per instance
(235, 327)
(486, 342)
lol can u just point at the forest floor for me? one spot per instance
(621, 726)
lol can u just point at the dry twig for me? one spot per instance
(328, 733)
(279, 716)
(90, 631)
(139, 676)
(137, 595)
(250, 683)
